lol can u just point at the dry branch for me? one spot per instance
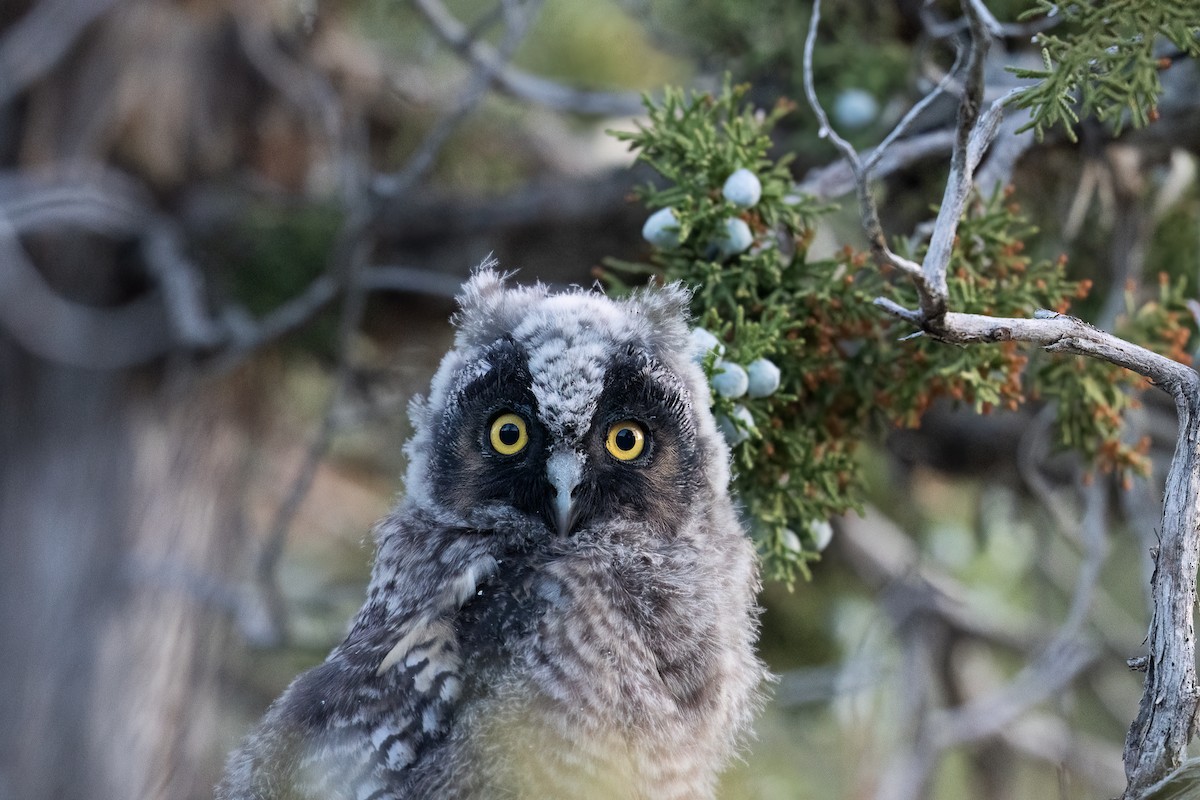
(870, 214)
(508, 79)
(836, 179)
(349, 260)
(1158, 738)
(927, 615)
(174, 316)
(54, 327)
(32, 47)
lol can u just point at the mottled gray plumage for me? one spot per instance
(575, 619)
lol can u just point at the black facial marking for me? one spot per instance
(658, 485)
(467, 471)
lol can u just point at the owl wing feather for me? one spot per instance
(354, 726)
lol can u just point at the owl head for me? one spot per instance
(566, 413)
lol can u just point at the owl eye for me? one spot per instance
(626, 440)
(509, 435)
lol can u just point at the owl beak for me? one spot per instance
(564, 469)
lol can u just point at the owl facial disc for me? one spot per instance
(567, 414)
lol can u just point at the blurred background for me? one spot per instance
(230, 235)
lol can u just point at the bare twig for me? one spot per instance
(1132, 229)
(516, 82)
(1058, 664)
(183, 289)
(93, 197)
(837, 178)
(910, 117)
(985, 717)
(410, 279)
(959, 182)
(1031, 451)
(981, 22)
(1051, 740)
(105, 202)
(1121, 629)
(906, 774)
(307, 89)
(1007, 149)
(110, 203)
(400, 182)
(59, 329)
(1158, 738)
(870, 214)
(348, 258)
(885, 557)
(942, 29)
(351, 254)
(807, 686)
(1056, 333)
(248, 336)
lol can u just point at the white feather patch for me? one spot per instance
(464, 586)
(394, 656)
(427, 627)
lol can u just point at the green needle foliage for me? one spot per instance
(1105, 62)
(849, 372)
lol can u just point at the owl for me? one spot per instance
(563, 603)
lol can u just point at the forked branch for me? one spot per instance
(1158, 738)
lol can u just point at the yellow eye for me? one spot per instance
(509, 435)
(626, 440)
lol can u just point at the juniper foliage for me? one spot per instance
(1106, 60)
(849, 373)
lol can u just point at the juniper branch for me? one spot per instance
(1165, 723)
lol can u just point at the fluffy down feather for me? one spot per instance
(532, 631)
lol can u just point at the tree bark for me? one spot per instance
(1158, 738)
(115, 508)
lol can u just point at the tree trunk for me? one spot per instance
(115, 508)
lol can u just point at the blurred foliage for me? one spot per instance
(271, 256)
(1174, 248)
(845, 375)
(499, 146)
(757, 40)
(575, 42)
(759, 43)
(1106, 61)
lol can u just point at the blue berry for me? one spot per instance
(662, 229)
(764, 377)
(791, 542)
(821, 532)
(742, 188)
(736, 239)
(730, 380)
(702, 343)
(855, 108)
(732, 433)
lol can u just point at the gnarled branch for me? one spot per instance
(1165, 723)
